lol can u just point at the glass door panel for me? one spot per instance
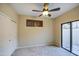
(66, 36)
(75, 37)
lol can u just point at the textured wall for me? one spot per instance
(35, 36)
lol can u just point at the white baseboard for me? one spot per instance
(34, 45)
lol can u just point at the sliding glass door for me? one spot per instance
(75, 37)
(66, 36)
(70, 37)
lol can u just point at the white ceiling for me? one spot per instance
(26, 8)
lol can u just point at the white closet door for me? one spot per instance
(8, 35)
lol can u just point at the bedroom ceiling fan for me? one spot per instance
(46, 11)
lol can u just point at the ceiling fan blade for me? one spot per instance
(56, 9)
(37, 10)
(40, 15)
(49, 15)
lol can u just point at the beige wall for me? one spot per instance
(35, 36)
(8, 29)
(69, 16)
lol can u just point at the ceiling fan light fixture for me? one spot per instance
(45, 13)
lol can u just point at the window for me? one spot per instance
(34, 23)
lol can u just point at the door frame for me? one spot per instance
(70, 36)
